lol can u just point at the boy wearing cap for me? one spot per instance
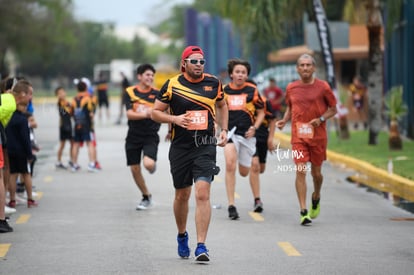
(195, 101)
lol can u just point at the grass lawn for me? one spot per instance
(357, 147)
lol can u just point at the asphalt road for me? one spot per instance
(86, 223)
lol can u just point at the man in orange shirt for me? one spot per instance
(310, 102)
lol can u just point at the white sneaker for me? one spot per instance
(92, 168)
(9, 210)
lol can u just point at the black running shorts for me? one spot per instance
(103, 99)
(65, 134)
(18, 164)
(189, 164)
(148, 146)
(261, 151)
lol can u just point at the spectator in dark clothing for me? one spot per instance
(124, 97)
(102, 86)
(20, 154)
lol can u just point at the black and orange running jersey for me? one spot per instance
(199, 98)
(242, 103)
(141, 101)
(82, 107)
(64, 108)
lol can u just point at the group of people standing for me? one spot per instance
(202, 114)
(76, 125)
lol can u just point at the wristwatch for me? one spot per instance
(322, 119)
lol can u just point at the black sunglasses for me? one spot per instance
(196, 61)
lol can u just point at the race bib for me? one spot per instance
(199, 120)
(237, 102)
(141, 108)
(304, 130)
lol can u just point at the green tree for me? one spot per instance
(97, 44)
(47, 41)
(174, 25)
(26, 30)
(139, 52)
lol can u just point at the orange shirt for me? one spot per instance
(306, 102)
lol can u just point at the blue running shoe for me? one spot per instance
(183, 249)
(201, 253)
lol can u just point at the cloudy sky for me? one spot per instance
(125, 13)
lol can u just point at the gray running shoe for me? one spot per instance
(145, 203)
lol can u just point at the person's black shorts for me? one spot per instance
(147, 146)
(103, 99)
(261, 151)
(187, 165)
(18, 164)
(65, 134)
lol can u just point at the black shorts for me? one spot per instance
(65, 134)
(103, 99)
(18, 164)
(147, 146)
(261, 151)
(187, 165)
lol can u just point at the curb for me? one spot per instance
(372, 176)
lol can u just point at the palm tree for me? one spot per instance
(375, 70)
(261, 24)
